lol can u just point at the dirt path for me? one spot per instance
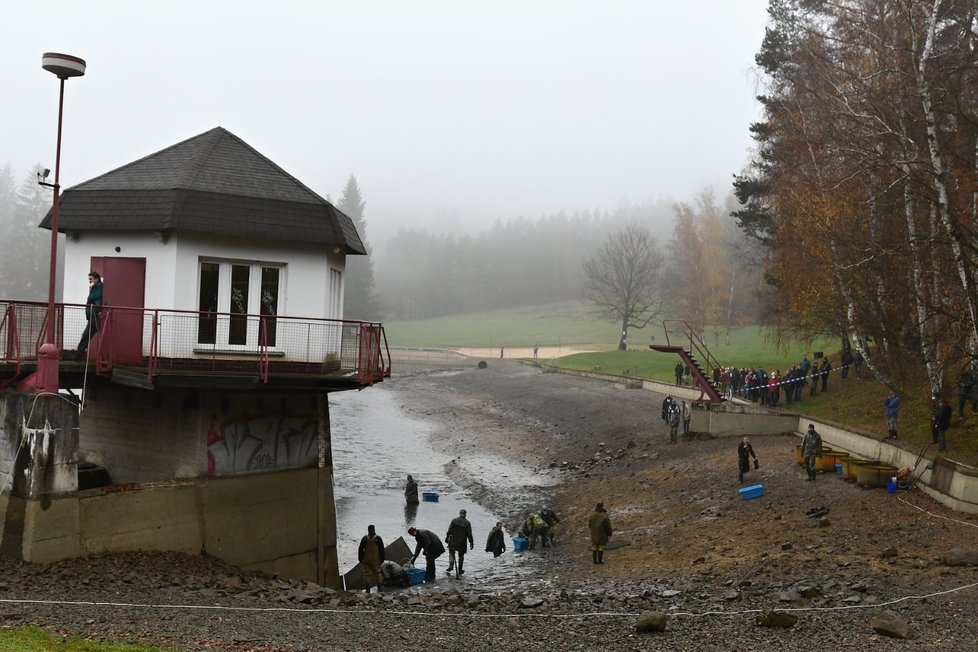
(694, 549)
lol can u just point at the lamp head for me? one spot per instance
(63, 65)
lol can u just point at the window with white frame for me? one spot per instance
(251, 294)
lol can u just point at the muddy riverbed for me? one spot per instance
(510, 438)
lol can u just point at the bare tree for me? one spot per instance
(621, 280)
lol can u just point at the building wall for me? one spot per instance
(141, 436)
(306, 272)
(160, 270)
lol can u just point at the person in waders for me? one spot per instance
(600, 526)
(744, 452)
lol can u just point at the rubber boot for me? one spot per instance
(601, 556)
(594, 556)
(459, 568)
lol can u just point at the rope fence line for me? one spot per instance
(476, 616)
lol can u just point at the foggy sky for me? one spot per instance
(447, 112)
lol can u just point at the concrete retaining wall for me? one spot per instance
(265, 522)
(158, 436)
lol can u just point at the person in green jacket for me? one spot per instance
(600, 526)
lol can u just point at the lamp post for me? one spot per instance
(63, 66)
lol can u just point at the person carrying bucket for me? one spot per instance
(744, 452)
(432, 546)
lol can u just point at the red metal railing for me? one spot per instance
(159, 341)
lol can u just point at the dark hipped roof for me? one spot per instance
(212, 183)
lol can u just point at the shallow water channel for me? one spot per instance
(375, 446)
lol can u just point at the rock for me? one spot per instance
(788, 596)
(888, 551)
(731, 595)
(670, 593)
(808, 591)
(651, 621)
(786, 546)
(823, 522)
(776, 619)
(960, 557)
(415, 601)
(531, 603)
(889, 624)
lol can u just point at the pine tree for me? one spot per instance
(24, 263)
(360, 300)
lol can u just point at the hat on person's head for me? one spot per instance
(462, 512)
(412, 530)
(600, 506)
(370, 528)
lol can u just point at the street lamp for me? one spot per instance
(63, 66)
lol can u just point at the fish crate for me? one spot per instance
(429, 497)
(520, 544)
(754, 491)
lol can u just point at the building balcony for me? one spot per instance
(180, 349)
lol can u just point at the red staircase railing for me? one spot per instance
(683, 340)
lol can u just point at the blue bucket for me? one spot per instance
(891, 488)
(429, 497)
(415, 575)
(520, 544)
(838, 470)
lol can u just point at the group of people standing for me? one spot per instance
(676, 414)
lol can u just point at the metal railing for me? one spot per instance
(680, 333)
(159, 341)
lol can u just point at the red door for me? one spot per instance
(123, 292)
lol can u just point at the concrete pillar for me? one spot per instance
(328, 570)
(39, 471)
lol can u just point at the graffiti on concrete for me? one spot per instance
(261, 442)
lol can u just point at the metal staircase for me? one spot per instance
(683, 340)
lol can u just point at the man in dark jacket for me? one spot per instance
(93, 308)
(744, 452)
(371, 555)
(432, 546)
(496, 541)
(824, 371)
(459, 531)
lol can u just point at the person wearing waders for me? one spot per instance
(744, 452)
(811, 447)
(432, 546)
(371, 556)
(496, 541)
(600, 526)
(411, 491)
(459, 532)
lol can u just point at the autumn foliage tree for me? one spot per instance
(863, 184)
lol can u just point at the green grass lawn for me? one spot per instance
(31, 639)
(561, 324)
